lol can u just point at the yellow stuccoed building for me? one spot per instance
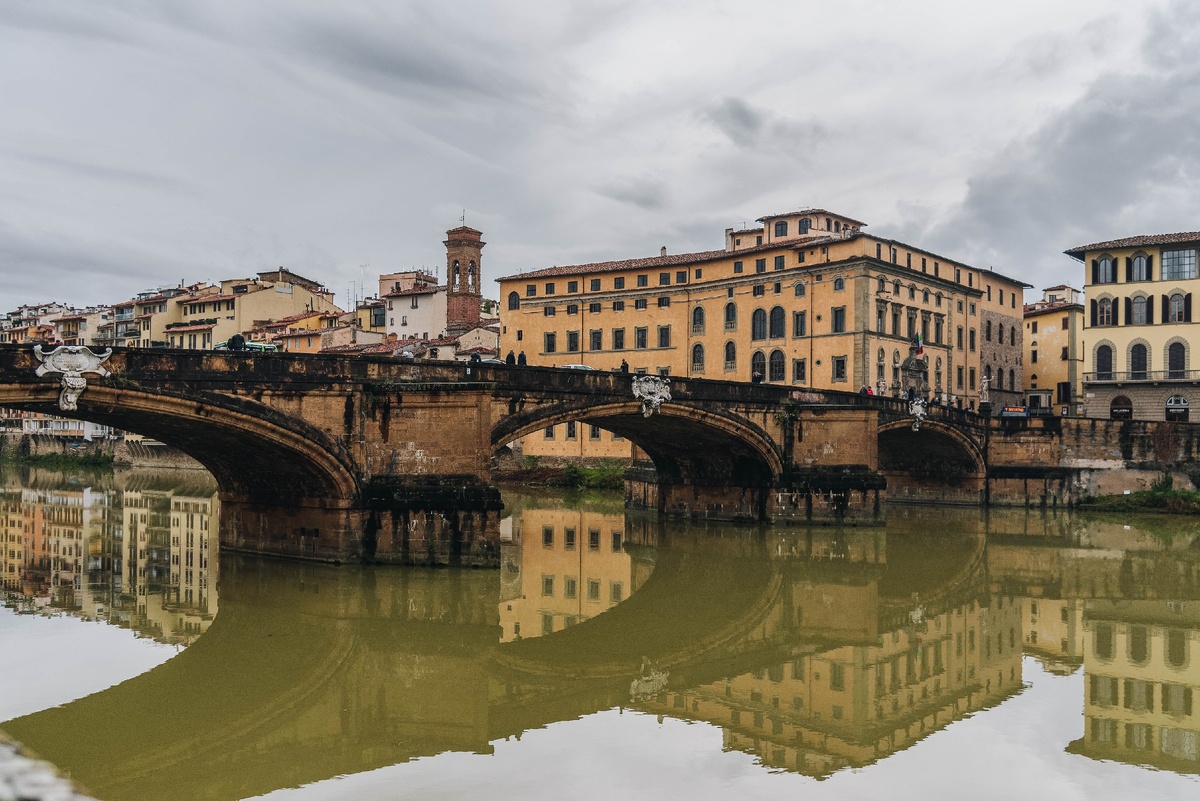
(806, 300)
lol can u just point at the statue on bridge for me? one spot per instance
(72, 361)
(652, 390)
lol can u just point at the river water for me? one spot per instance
(951, 654)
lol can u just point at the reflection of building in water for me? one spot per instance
(143, 559)
(1142, 673)
(563, 567)
(1054, 632)
(850, 705)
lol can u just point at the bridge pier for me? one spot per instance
(853, 495)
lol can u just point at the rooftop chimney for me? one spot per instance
(662, 251)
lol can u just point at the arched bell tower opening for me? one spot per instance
(464, 260)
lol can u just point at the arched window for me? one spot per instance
(1104, 312)
(804, 225)
(730, 317)
(758, 363)
(776, 373)
(1177, 409)
(895, 368)
(925, 296)
(1106, 271)
(882, 284)
(1121, 408)
(879, 367)
(778, 329)
(839, 284)
(781, 228)
(514, 301)
(987, 330)
(1176, 360)
(1141, 268)
(1104, 363)
(730, 356)
(758, 324)
(456, 277)
(1175, 309)
(799, 289)
(1137, 311)
(1137, 362)
(999, 379)
(472, 285)
(698, 320)
(697, 358)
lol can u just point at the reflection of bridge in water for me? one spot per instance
(814, 649)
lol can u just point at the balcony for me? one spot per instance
(1140, 376)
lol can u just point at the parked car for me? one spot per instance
(576, 367)
(250, 347)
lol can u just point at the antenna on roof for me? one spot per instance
(463, 218)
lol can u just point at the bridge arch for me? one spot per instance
(254, 452)
(938, 462)
(685, 443)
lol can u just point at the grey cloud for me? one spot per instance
(748, 127)
(734, 118)
(1121, 160)
(132, 177)
(83, 21)
(58, 267)
(641, 192)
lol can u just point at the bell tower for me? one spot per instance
(464, 250)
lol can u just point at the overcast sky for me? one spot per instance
(145, 143)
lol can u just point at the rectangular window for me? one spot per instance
(664, 336)
(681, 277)
(569, 532)
(800, 370)
(616, 591)
(959, 378)
(971, 340)
(572, 287)
(664, 279)
(548, 311)
(618, 339)
(619, 282)
(639, 304)
(549, 289)
(551, 342)
(547, 586)
(839, 320)
(571, 435)
(593, 589)
(664, 301)
(643, 280)
(639, 337)
(593, 308)
(618, 305)
(617, 539)
(1033, 327)
(737, 267)
(759, 290)
(971, 376)
(1178, 265)
(760, 265)
(779, 262)
(799, 324)
(837, 676)
(594, 284)
(593, 539)
(569, 586)
(572, 342)
(839, 368)
(593, 432)
(530, 290)
(572, 308)
(595, 339)
(1033, 357)
(548, 531)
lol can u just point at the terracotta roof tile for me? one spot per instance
(1135, 241)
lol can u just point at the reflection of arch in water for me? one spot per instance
(311, 672)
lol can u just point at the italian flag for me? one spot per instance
(920, 344)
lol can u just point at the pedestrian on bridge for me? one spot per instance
(521, 358)
(510, 359)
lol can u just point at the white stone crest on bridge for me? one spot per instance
(652, 390)
(72, 361)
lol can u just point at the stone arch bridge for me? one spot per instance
(341, 458)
